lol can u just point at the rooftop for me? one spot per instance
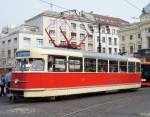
(86, 17)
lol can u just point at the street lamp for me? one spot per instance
(99, 30)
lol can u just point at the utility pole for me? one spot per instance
(99, 30)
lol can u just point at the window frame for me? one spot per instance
(87, 67)
(73, 60)
(130, 69)
(99, 69)
(53, 62)
(111, 66)
(121, 70)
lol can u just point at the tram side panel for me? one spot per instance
(34, 82)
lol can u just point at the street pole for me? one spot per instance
(99, 30)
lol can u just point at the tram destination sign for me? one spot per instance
(23, 54)
(144, 52)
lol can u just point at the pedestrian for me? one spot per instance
(8, 79)
(2, 85)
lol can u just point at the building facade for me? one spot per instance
(20, 37)
(100, 33)
(136, 37)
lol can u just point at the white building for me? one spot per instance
(75, 27)
(136, 37)
(18, 38)
(109, 33)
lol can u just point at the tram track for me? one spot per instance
(97, 105)
(89, 103)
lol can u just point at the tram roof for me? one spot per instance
(81, 53)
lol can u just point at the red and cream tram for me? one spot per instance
(52, 72)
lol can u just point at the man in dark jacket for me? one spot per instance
(2, 85)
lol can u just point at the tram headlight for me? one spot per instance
(143, 80)
(16, 81)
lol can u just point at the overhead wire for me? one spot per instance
(54, 5)
(131, 4)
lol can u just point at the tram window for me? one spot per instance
(58, 64)
(75, 64)
(50, 63)
(37, 65)
(138, 67)
(113, 66)
(131, 66)
(102, 65)
(23, 64)
(123, 66)
(90, 65)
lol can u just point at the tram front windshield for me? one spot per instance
(146, 69)
(29, 65)
(146, 72)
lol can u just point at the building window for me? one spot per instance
(115, 41)
(123, 38)
(139, 36)
(9, 41)
(90, 37)
(39, 42)
(52, 33)
(110, 50)
(26, 41)
(98, 39)
(82, 26)
(131, 37)
(131, 49)
(9, 53)
(115, 50)
(113, 31)
(91, 28)
(103, 39)
(108, 29)
(15, 52)
(103, 30)
(82, 36)
(90, 47)
(73, 25)
(83, 46)
(103, 50)
(110, 41)
(139, 47)
(123, 49)
(73, 35)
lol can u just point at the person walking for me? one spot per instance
(2, 85)
(8, 79)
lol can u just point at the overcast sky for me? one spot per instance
(15, 12)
